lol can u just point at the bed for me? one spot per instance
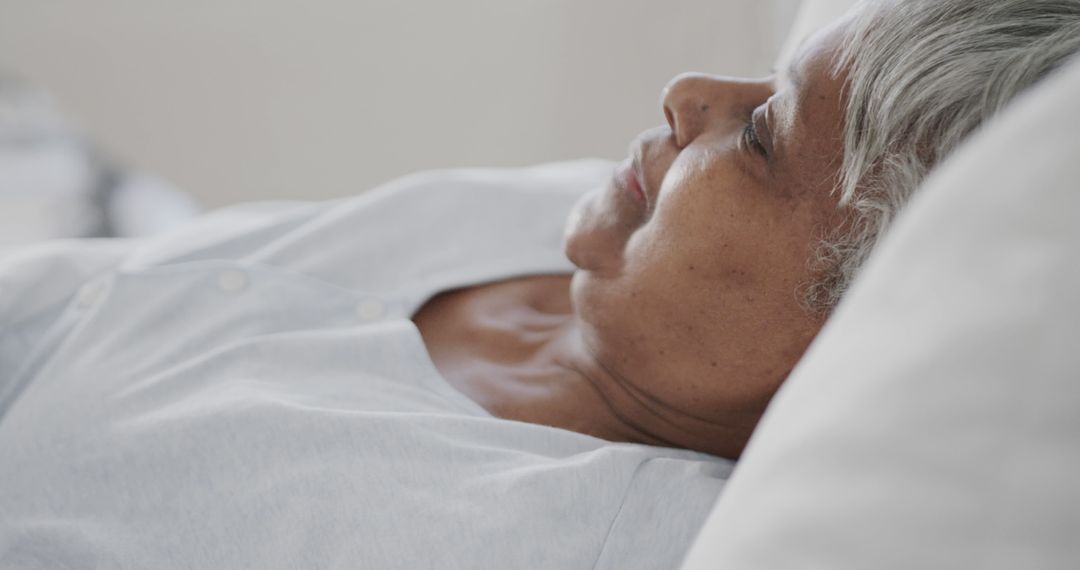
(935, 423)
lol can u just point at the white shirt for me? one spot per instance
(250, 392)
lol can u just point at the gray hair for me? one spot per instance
(922, 76)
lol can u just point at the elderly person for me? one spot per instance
(414, 379)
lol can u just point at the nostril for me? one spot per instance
(676, 128)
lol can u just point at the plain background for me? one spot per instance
(238, 100)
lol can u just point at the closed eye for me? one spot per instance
(751, 138)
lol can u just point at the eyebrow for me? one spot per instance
(794, 77)
(790, 74)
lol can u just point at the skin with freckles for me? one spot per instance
(683, 317)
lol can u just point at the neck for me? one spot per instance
(519, 351)
(559, 382)
(561, 385)
(615, 409)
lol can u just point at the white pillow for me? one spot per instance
(935, 423)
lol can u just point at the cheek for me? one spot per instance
(698, 290)
(708, 210)
(731, 238)
(692, 250)
(658, 319)
(705, 290)
(677, 343)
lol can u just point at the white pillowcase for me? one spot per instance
(935, 423)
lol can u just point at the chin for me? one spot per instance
(581, 243)
(594, 236)
(577, 281)
(576, 228)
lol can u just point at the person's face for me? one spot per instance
(692, 258)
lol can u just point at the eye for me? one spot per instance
(751, 138)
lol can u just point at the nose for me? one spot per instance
(693, 103)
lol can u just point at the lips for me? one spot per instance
(637, 153)
(630, 180)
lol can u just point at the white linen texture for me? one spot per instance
(248, 391)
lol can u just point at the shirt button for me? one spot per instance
(370, 310)
(232, 281)
(89, 294)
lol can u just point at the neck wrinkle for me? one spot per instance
(634, 416)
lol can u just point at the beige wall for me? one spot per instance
(237, 100)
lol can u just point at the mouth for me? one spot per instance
(628, 178)
(637, 151)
